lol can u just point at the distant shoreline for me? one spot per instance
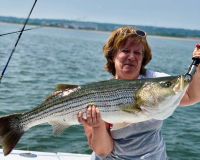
(100, 26)
(150, 35)
(176, 38)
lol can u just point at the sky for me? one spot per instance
(162, 13)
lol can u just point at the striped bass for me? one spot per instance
(120, 101)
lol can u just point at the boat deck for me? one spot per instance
(34, 155)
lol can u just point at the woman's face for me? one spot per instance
(128, 60)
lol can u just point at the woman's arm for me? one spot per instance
(97, 131)
(192, 94)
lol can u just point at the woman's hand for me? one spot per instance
(97, 131)
(93, 117)
(192, 95)
(196, 54)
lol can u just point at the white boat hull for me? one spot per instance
(34, 155)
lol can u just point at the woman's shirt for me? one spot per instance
(139, 140)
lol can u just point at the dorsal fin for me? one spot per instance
(62, 87)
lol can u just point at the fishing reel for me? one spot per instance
(193, 66)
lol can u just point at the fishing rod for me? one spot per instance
(4, 34)
(13, 50)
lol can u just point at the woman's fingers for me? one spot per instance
(196, 52)
(198, 46)
(89, 115)
(98, 115)
(93, 116)
(80, 118)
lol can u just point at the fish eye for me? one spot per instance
(166, 84)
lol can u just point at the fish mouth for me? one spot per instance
(181, 84)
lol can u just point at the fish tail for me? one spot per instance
(10, 132)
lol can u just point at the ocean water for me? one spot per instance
(48, 56)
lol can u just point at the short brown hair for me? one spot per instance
(117, 39)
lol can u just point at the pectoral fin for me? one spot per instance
(131, 109)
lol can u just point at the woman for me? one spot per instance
(127, 53)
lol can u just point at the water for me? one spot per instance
(48, 56)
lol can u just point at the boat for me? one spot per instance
(36, 155)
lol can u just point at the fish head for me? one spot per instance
(159, 97)
(168, 86)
